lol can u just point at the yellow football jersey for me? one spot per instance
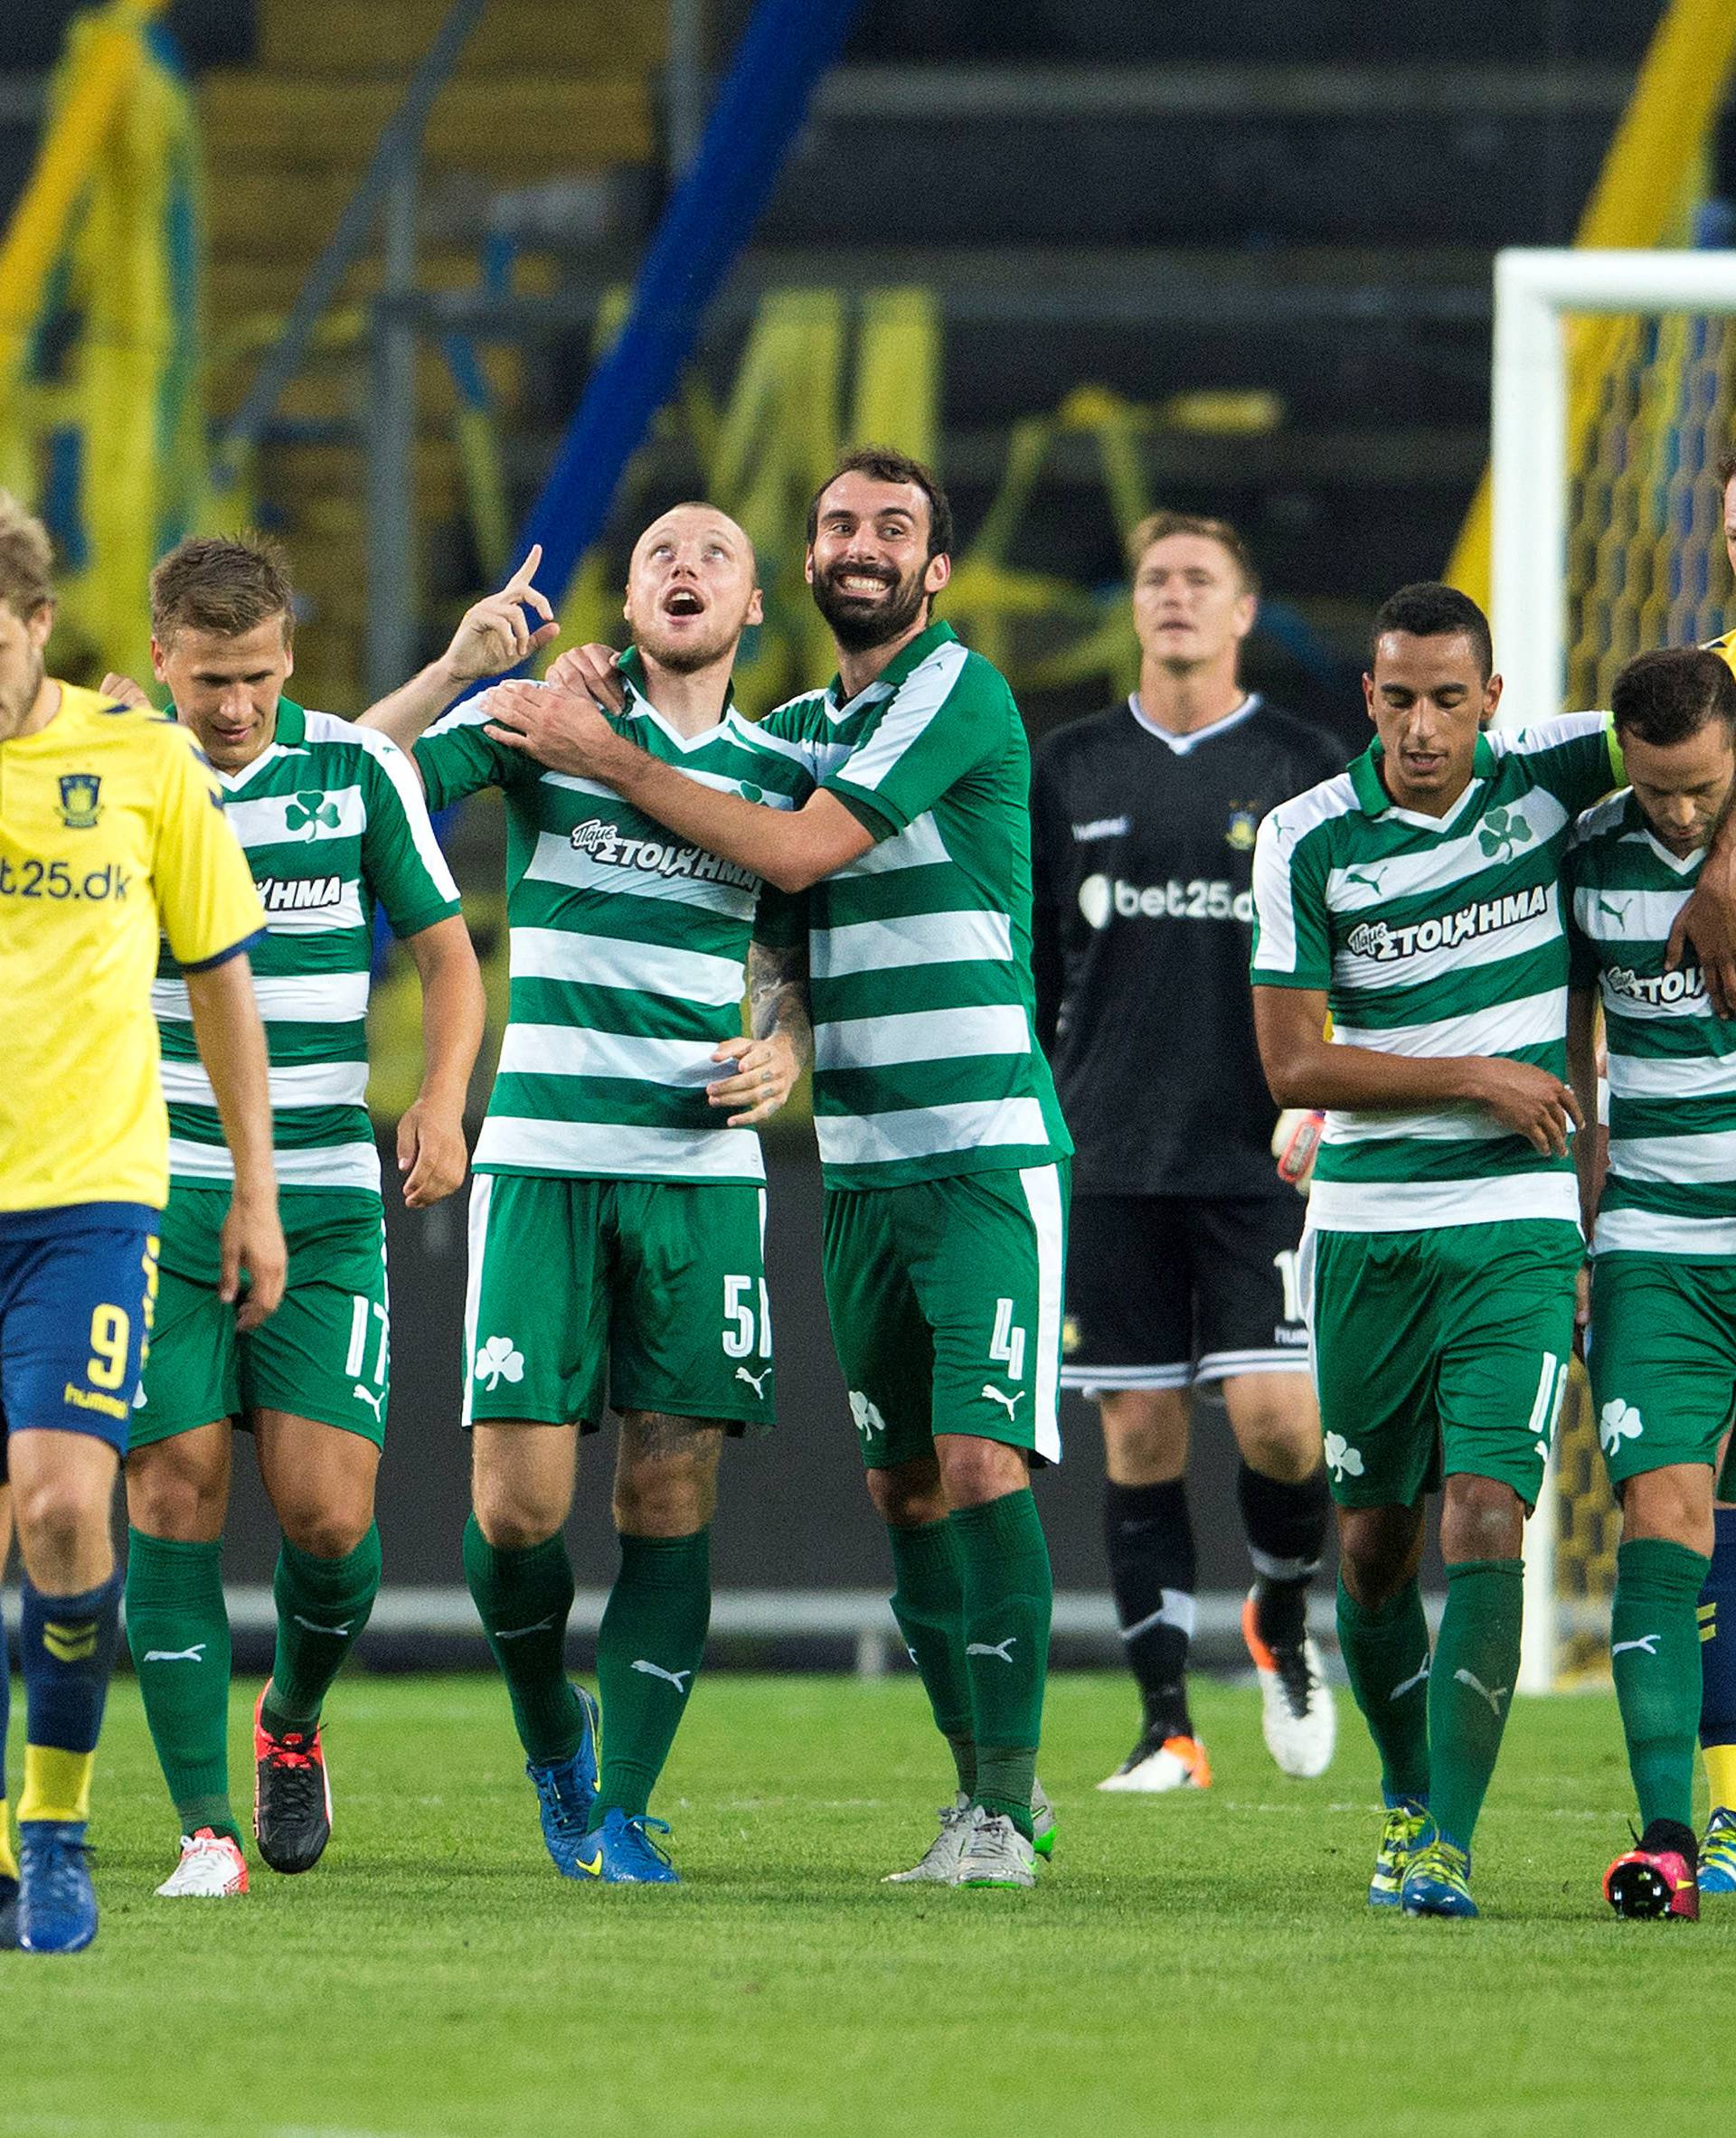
(111, 833)
(1724, 648)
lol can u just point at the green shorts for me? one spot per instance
(1663, 1359)
(645, 1295)
(1440, 1353)
(946, 1305)
(325, 1354)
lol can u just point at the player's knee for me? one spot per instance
(1480, 1518)
(182, 1501)
(57, 1517)
(1280, 1445)
(666, 1500)
(325, 1533)
(513, 1515)
(909, 1496)
(974, 1471)
(1673, 1504)
(1145, 1434)
(1379, 1551)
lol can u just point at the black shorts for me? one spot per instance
(1166, 1290)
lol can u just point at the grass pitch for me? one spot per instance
(1200, 1964)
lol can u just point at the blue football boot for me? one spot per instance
(565, 1791)
(1438, 1882)
(8, 1913)
(624, 1853)
(1717, 1853)
(1405, 1831)
(57, 1903)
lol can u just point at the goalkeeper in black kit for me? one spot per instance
(1182, 1259)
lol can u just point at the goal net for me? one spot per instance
(1615, 399)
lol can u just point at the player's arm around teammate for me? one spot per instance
(944, 1290)
(1417, 898)
(333, 822)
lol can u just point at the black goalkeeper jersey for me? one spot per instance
(1142, 851)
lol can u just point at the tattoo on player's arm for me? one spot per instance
(777, 995)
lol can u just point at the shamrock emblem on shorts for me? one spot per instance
(1503, 830)
(309, 812)
(1342, 1459)
(499, 1359)
(1619, 1421)
(866, 1414)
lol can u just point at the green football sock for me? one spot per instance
(649, 1648)
(1009, 1595)
(1655, 1654)
(322, 1605)
(177, 1627)
(1386, 1658)
(526, 1596)
(928, 1604)
(1470, 1688)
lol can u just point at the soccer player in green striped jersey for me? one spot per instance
(1662, 1346)
(944, 1151)
(617, 1219)
(1415, 898)
(333, 822)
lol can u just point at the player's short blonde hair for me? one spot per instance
(27, 560)
(224, 584)
(1157, 527)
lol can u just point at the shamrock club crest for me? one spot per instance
(312, 813)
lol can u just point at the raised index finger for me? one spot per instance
(520, 581)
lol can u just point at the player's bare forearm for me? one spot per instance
(1589, 1148)
(407, 713)
(1708, 922)
(230, 1039)
(1305, 1069)
(493, 635)
(778, 999)
(791, 848)
(432, 1154)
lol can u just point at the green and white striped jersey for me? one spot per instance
(1434, 935)
(1670, 1188)
(332, 820)
(926, 1061)
(627, 953)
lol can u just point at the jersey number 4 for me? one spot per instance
(1006, 1346)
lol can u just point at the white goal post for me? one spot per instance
(1535, 290)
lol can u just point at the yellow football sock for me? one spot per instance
(57, 1785)
(8, 1862)
(1721, 1775)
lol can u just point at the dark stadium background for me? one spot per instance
(1327, 234)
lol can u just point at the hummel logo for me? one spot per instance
(1647, 1642)
(196, 1653)
(518, 1633)
(374, 1398)
(756, 1382)
(314, 1628)
(1482, 1691)
(1000, 1396)
(656, 1670)
(986, 1648)
(1411, 1683)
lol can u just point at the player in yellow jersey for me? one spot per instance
(111, 833)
